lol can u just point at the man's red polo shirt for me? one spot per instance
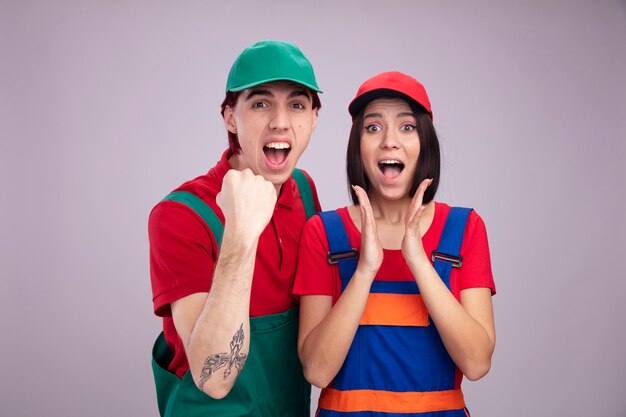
(183, 253)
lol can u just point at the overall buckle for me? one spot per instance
(456, 261)
(334, 258)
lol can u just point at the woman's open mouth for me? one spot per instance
(391, 168)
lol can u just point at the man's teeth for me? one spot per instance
(278, 145)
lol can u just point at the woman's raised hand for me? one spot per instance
(412, 248)
(371, 256)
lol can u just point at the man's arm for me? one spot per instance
(214, 327)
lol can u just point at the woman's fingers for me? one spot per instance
(367, 217)
(411, 243)
(371, 250)
(417, 208)
(361, 195)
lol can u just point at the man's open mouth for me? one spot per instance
(277, 152)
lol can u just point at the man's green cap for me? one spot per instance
(268, 61)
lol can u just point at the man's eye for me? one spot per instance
(260, 104)
(298, 106)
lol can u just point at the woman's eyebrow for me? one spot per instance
(399, 115)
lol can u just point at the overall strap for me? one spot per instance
(202, 209)
(305, 192)
(448, 251)
(340, 251)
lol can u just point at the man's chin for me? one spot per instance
(278, 178)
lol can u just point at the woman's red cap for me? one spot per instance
(390, 84)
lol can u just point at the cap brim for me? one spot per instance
(361, 101)
(270, 80)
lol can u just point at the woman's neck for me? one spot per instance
(390, 211)
(390, 216)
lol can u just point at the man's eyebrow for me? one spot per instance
(258, 92)
(298, 93)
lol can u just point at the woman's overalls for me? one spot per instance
(397, 364)
(271, 383)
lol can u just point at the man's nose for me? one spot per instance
(280, 118)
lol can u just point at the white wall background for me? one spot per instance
(105, 106)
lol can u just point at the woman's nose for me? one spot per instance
(390, 140)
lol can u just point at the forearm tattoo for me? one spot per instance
(220, 360)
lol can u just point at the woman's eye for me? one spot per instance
(372, 128)
(408, 127)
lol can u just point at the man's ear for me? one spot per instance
(315, 112)
(229, 120)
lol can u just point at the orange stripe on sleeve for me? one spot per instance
(395, 310)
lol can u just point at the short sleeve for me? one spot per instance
(182, 254)
(315, 276)
(476, 270)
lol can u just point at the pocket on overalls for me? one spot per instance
(386, 309)
(182, 398)
(388, 339)
(282, 389)
(192, 402)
